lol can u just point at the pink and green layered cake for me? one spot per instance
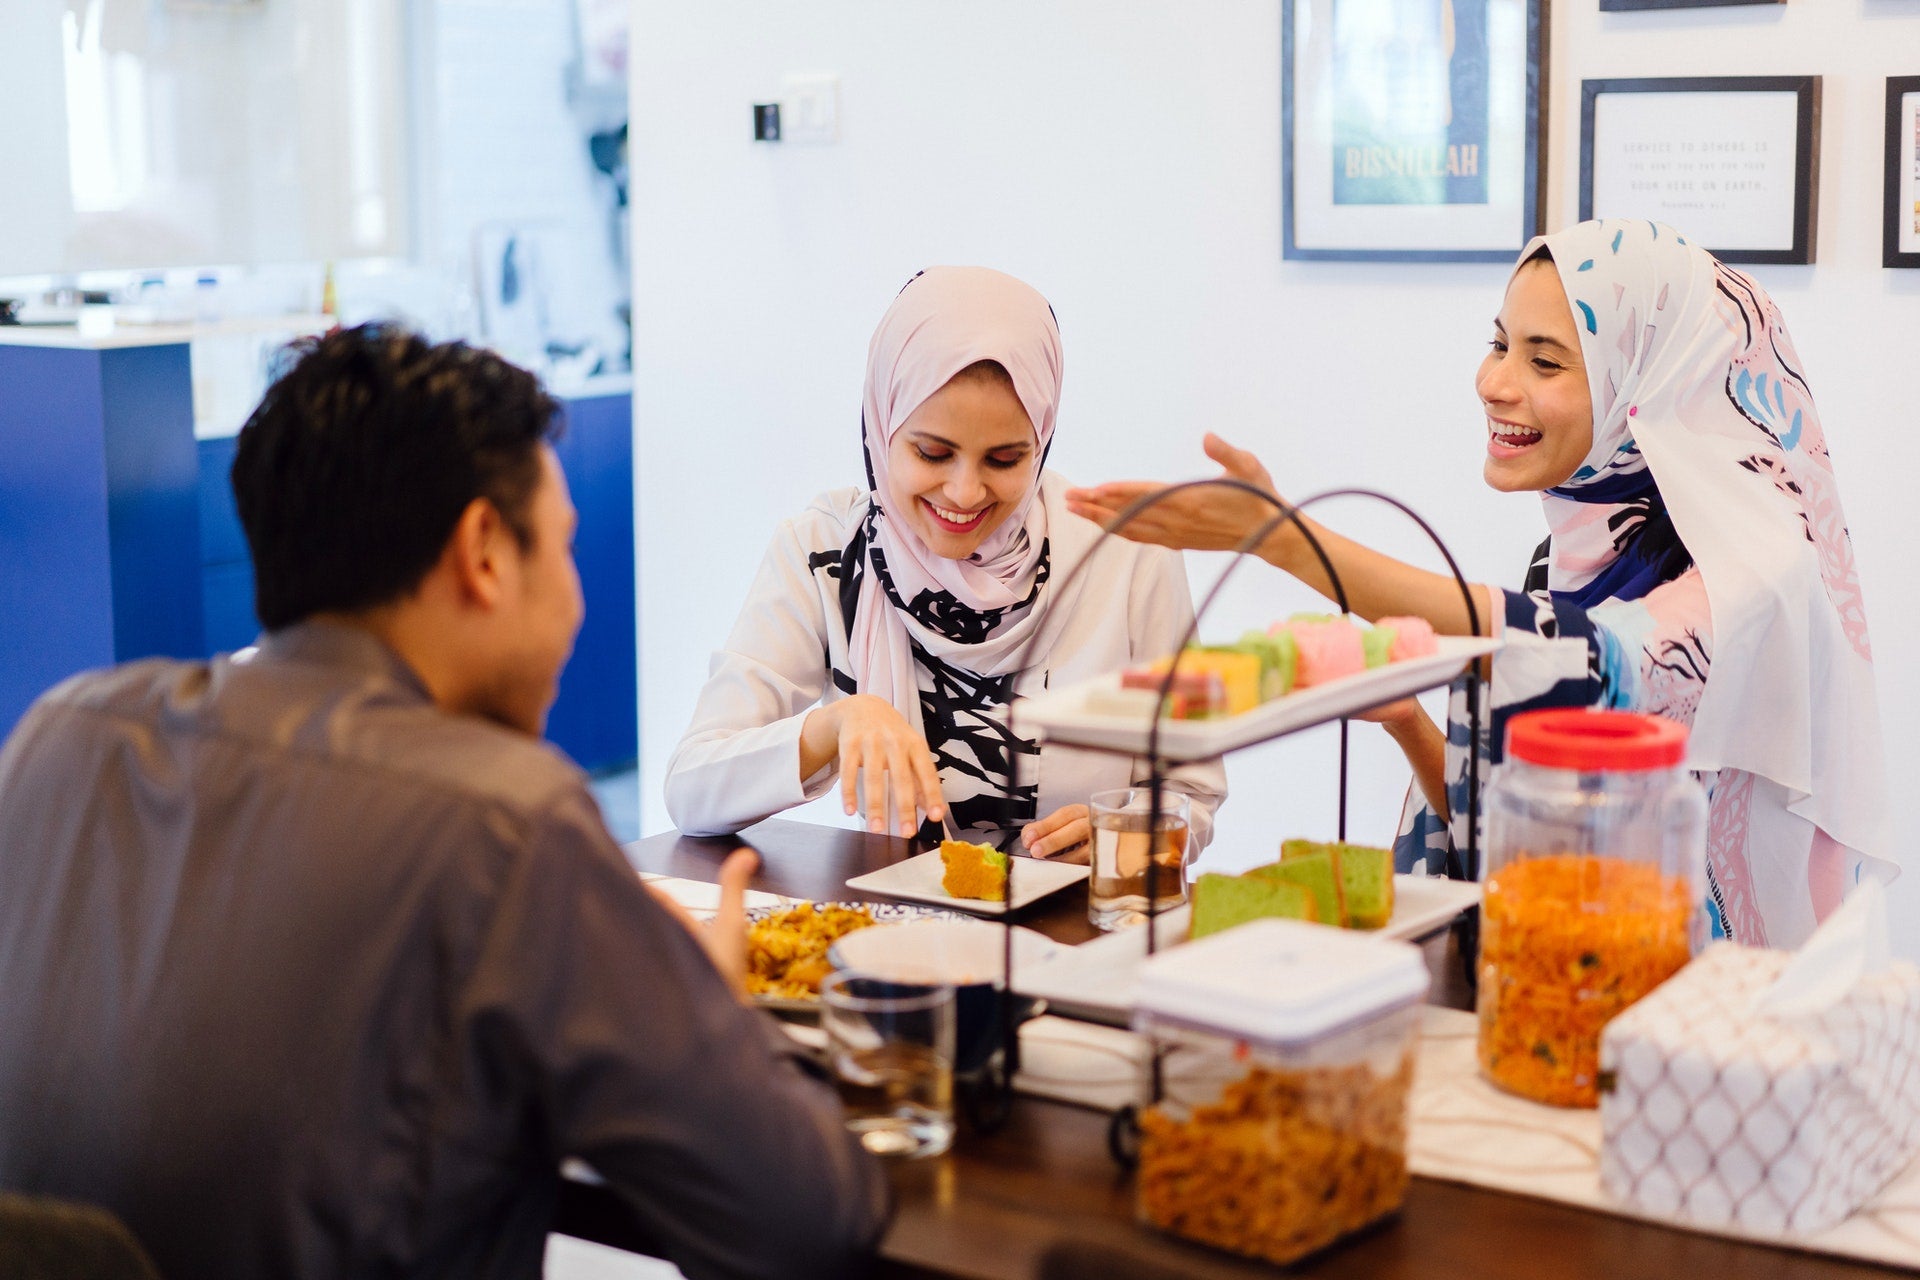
(1329, 648)
(1399, 639)
(1308, 649)
(1279, 659)
(1208, 682)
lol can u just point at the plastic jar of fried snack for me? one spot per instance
(1286, 1054)
(1594, 892)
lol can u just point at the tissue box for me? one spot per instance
(1718, 1115)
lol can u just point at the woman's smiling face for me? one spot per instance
(961, 462)
(1533, 385)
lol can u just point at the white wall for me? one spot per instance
(200, 135)
(502, 147)
(1125, 159)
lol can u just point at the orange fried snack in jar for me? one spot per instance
(1285, 1162)
(1283, 1057)
(1568, 941)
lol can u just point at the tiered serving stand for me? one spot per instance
(1164, 745)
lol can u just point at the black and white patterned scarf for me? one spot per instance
(962, 712)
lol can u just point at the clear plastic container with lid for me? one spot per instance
(1286, 1054)
(1594, 892)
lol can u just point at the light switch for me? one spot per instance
(810, 109)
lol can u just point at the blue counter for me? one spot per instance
(99, 522)
(119, 538)
(596, 717)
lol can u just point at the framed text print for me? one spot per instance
(1410, 129)
(1901, 247)
(1733, 162)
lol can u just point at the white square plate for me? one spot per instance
(1095, 980)
(917, 879)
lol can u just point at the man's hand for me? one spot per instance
(725, 936)
(1064, 831)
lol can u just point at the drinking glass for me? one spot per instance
(1122, 844)
(890, 1042)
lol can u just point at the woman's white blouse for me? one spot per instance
(739, 760)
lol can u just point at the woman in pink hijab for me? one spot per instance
(891, 626)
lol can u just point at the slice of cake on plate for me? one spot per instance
(1366, 884)
(1314, 868)
(973, 871)
(1223, 901)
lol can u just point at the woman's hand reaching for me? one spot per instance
(1371, 584)
(882, 761)
(1202, 519)
(1422, 742)
(1064, 831)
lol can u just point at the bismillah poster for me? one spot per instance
(1410, 102)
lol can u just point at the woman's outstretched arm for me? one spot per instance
(1210, 519)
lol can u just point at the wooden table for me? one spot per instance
(1042, 1198)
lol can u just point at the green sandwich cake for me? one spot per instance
(1222, 901)
(1344, 885)
(1364, 875)
(1366, 885)
(1314, 869)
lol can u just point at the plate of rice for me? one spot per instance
(787, 946)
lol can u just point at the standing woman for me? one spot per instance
(1698, 565)
(891, 626)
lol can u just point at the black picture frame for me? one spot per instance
(1639, 6)
(1902, 152)
(1806, 153)
(1528, 220)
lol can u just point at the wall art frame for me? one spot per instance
(1412, 147)
(1731, 161)
(1639, 6)
(1901, 235)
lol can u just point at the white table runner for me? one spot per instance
(1463, 1129)
(1466, 1130)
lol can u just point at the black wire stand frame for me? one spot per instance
(1461, 864)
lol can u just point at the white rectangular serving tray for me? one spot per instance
(1061, 715)
(1095, 980)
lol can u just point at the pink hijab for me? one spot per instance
(946, 319)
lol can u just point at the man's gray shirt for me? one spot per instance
(304, 977)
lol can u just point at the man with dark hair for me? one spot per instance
(317, 963)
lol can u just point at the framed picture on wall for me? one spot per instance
(1630, 6)
(1733, 162)
(1410, 130)
(1902, 244)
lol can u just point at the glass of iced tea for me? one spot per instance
(891, 1043)
(1125, 846)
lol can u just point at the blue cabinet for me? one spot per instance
(99, 524)
(119, 538)
(596, 717)
(226, 570)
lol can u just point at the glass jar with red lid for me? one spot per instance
(1594, 891)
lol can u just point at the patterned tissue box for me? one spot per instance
(1717, 1115)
